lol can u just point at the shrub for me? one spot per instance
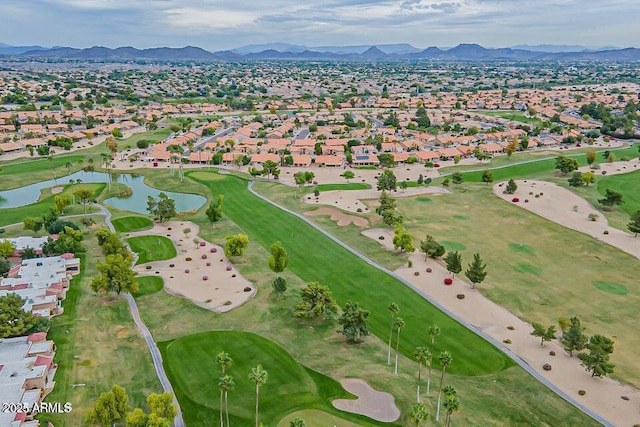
(526, 200)
(203, 243)
(593, 217)
(2, 230)
(205, 277)
(416, 273)
(172, 265)
(604, 172)
(582, 392)
(546, 367)
(410, 263)
(606, 232)
(507, 341)
(227, 302)
(381, 238)
(511, 328)
(208, 300)
(359, 210)
(188, 258)
(148, 267)
(460, 296)
(186, 270)
(228, 268)
(448, 281)
(247, 289)
(552, 353)
(429, 270)
(515, 200)
(208, 264)
(213, 250)
(203, 256)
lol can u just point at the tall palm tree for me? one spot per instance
(445, 360)
(225, 361)
(68, 166)
(399, 324)
(451, 405)
(226, 383)
(53, 170)
(258, 376)
(434, 331)
(422, 355)
(419, 414)
(393, 309)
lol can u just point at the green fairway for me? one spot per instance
(132, 223)
(15, 215)
(628, 184)
(148, 285)
(314, 257)
(152, 248)
(290, 386)
(316, 418)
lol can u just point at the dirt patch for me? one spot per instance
(341, 218)
(372, 403)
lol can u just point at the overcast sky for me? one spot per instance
(219, 25)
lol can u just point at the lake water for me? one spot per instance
(137, 202)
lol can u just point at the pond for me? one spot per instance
(137, 202)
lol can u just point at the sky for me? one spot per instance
(219, 25)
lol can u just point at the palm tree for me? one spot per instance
(445, 360)
(419, 414)
(225, 361)
(258, 376)
(399, 324)
(393, 309)
(226, 383)
(451, 405)
(434, 331)
(422, 355)
(53, 170)
(68, 166)
(297, 422)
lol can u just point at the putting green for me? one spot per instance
(462, 217)
(528, 269)
(424, 199)
(453, 246)
(521, 247)
(149, 285)
(132, 223)
(611, 288)
(152, 248)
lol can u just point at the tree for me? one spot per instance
(487, 177)
(33, 223)
(597, 360)
(573, 337)
(445, 360)
(84, 195)
(393, 310)
(403, 240)
(511, 188)
(451, 405)
(591, 156)
(431, 248)
(544, 334)
(634, 223)
(236, 245)
(419, 414)
(422, 356)
(69, 240)
(566, 164)
(434, 331)
(588, 178)
(214, 211)
(6, 248)
(278, 258)
(354, 322)
(224, 361)
(136, 418)
(61, 202)
(511, 148)
(297, 422)
(348, 175)
(445, 182)
(298, 177)
(226, 384)
(386, 160)
(270, 168)
(14, 321)
(611, 198)
(110, 407)
(453, 260)
(457, 178)
(387, 210)
(27, 253)
(259, 377)
(576, 179)
(398, 324)
(476, 271)
(387, 181)
(162, 406)
(316, 301)
(279, 285)
(116, 275)
(161, 209)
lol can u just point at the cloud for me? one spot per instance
(195, 20)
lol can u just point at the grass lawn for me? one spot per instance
(132, 223)
(148, 285)
(351, 278)
(537, 269)
(155, 135)
(97, 346)
(316, 418)
(290, 386)
(628, 184)
(516, 117)
(152, 248)
(15, 215)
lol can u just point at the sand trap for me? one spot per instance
(57, 190)
(342, 219)
(372, 403)
(603, 395)
(614, 168)
(221, 291)
(570, 210)
(351, 200)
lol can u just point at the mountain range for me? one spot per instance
(282, 51)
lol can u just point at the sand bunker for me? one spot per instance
(351, 200)
(613, 168)
(57, 190)
(342, 219)
(372, 403)
(566, 208)
(224, 287)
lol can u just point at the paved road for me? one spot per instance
(211, 138)
(479, 332)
